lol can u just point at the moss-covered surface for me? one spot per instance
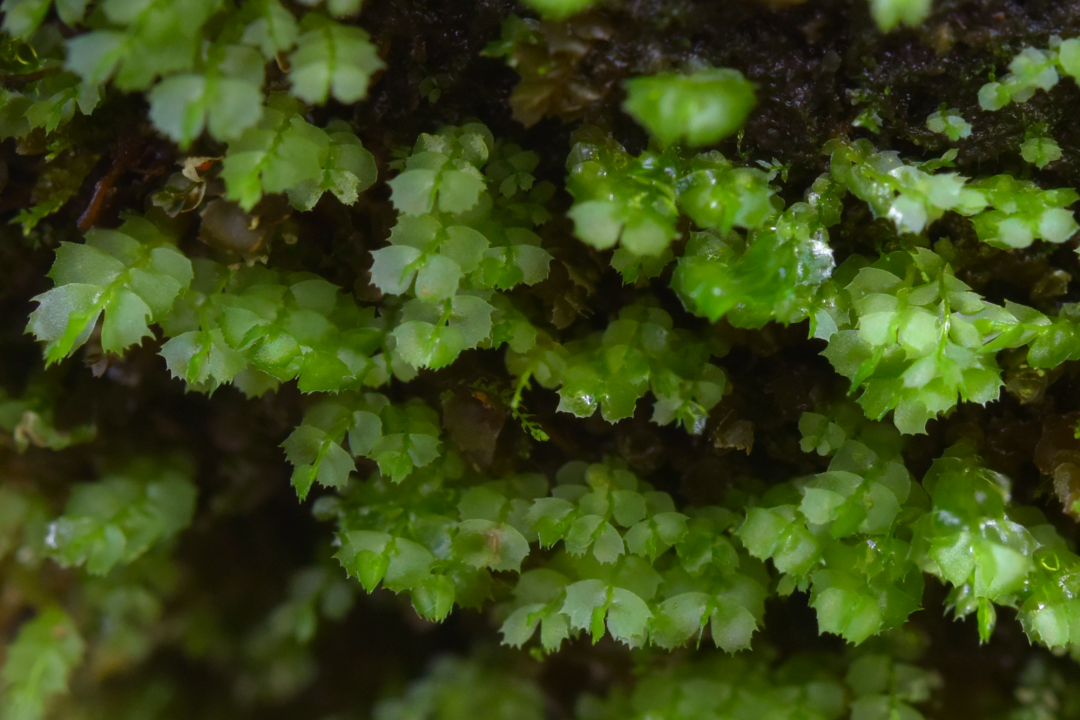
(817, 66)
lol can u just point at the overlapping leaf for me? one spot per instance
(132, 276)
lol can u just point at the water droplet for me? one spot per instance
(50, 538)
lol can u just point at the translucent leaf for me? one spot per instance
(422, 344)
(143, 42)
(348, 170)
(392, 269)
(459, 190)
(332, 59)
(1040, 151)
(679, 619)
(132, 275)
(888, 14)
(702, 108)
(226, 97)
(628, 617)
(281, 152)
(585, 606)
(120, 517)
(434, 598)
(950, 123)
(38, 665)
(202, 357)
(559, 9)
(731, 625)
(843, 608)
(272, 28)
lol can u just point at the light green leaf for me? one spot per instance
(393, 268)
(272, 29)
(332, 59)
(628, 617)
(38, 665)
(120, 517)
(422, 344)
(890, 13)
(559, 9)
(226, 97)
(702, 108)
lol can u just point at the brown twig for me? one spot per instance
(129, 149)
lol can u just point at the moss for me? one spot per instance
(816, 66)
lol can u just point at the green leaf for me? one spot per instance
(586, 605)
(628, 617)
(226, 97)
(621, 198)
(491, 544)
(38, 665)
(438, 279)
(141, 42)
(132, 275)
(315, 451)
(119, 518)
(23, 17)
(410, 565)
(422, 344)
(393, 268)
(1030, 71)
(413, 191)
(1020, 213)
(908, 195)
(843, 606)
(679, 619)
(714, 194)
(950, 123)
(820, 434)
(732, 625)
(126, 323)
(332, 59)
(202, 357)
(434, 598)
(271, 27)
(559, 9)
(1040, 151)
(348, 170)
(770, 533)
(365, 555)
(1069, 57)
(702, 108)
(459, 190)
(280, 153)
(888, 14)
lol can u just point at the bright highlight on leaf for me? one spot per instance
(1006, 212)
(636, 201)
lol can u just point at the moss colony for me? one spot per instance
(656, 359)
